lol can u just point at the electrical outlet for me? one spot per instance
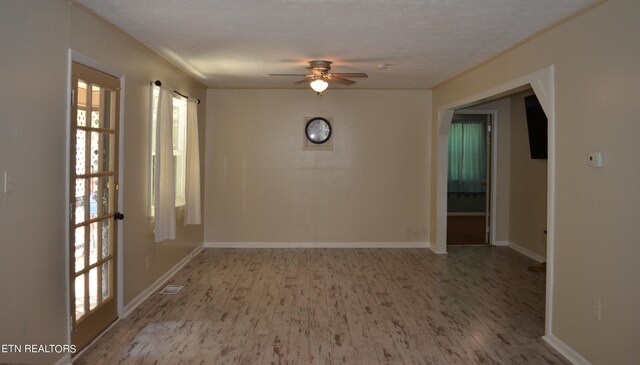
(595, 159)
(307, 227)
(597, 309)
(415, 233)
(147, 263)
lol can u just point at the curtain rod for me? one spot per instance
(159, 83)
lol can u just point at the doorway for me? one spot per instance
(543, 84)
(93, 189)
(469, 178)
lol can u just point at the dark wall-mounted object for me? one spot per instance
(318, 130)
(537, 126)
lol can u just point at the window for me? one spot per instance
(179, 145)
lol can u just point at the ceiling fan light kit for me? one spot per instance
(319, 85)
(320, 76)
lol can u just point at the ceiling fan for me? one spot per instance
(320, 76)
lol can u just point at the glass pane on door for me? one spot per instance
(95, 151)
(80, 249)
(108, 110)
(106, 238)
(106, 283)
(105, 204)
(106, 151)
(93, 288)
(80, 201)
(93, 243)
(81, 140)
(79, 289)
(96, 98)
(93, 197)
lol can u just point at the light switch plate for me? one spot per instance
(596, 159)
(7, 180)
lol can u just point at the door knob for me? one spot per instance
(118, 216)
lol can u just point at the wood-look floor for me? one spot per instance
(476, 305)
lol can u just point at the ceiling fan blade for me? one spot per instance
(340, 80)
(350, 74)
(288, 75)
(302, 81)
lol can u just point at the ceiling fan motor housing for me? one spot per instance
(321, 66)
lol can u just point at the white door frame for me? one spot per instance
(543, 84)
(494, 163)
(75, 56)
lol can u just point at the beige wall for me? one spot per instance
(596, 57)
(33, 67)
(261, 186)
(35, 38)
(528, 185)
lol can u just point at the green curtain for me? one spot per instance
(467, 157)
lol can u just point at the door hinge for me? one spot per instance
(489, 128)
(117, 187)
(73, 97)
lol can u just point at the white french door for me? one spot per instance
(93, 202)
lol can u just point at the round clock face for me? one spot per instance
(318, 130)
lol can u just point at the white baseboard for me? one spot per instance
(525, 251)
(196, 251)
(435, 250)
(570, 354)
(132, 305)
(317, 245)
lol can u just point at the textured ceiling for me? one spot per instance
(236, 43)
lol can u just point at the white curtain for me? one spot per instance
(165, 183)
(192, 213)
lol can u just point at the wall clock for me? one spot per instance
(318, 130)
